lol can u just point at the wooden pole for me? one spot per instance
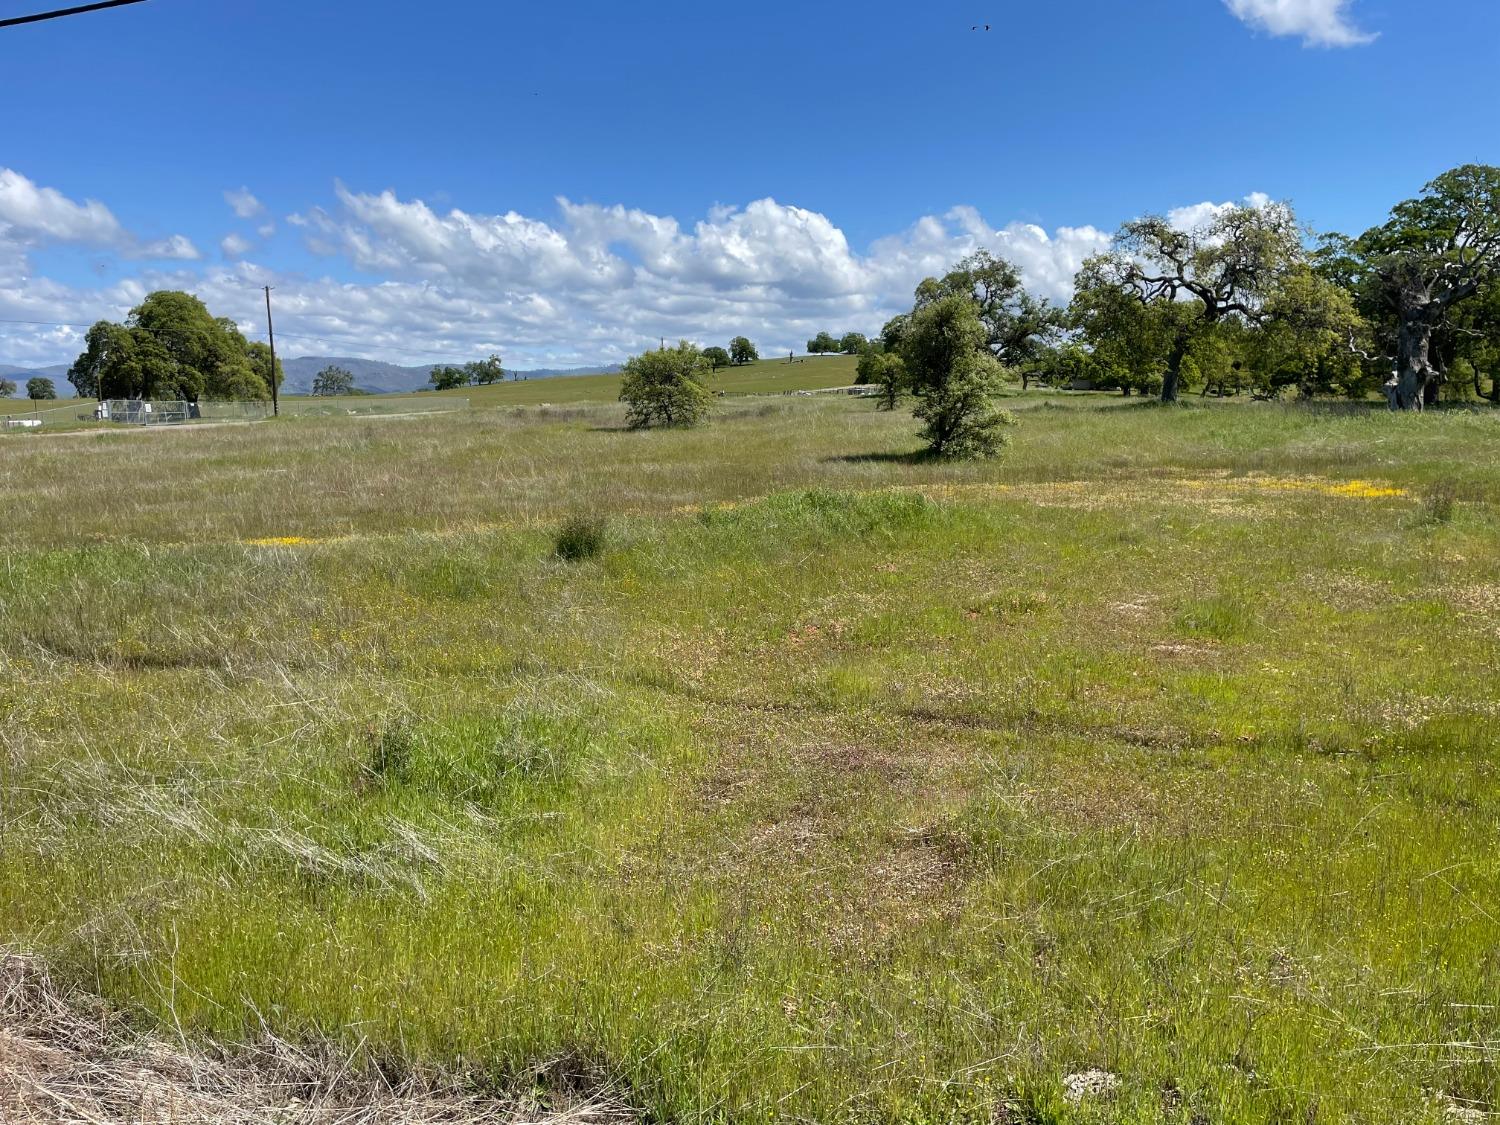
(271, 335)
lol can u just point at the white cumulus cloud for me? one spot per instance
(32, 216)
(1199, 215)
(589, 283)
(244, 204)
(178, 247)
(614, 278)
(1319, 23)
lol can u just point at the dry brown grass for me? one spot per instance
(65, 1057)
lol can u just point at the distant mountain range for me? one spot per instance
(389, 378)
(369, 374)
(58, 373)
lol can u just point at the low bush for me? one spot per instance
(1439, 500)
(582, 537)
(390, 750)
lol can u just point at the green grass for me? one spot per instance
(59, 407)
(768, 376)
(774, 376)
(839, 785)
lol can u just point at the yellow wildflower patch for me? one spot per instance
(1366, 490)
(281, 541)
(1358, 489)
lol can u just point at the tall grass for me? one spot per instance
(839, 789)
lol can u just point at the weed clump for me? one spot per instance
(485, 760)
(389, 752)
(831, 513)
(1224, 617)
(1439, 500)
(581, 537)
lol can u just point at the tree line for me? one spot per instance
(1245, 302)
(740, 351)
(825, 343)
(172, 347)
(479, 373)
(1250, 303)
(38, 388)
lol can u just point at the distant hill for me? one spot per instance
(389, 378)
(58, 373)
(369, 374)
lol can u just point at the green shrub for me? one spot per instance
(665, 387)
(390, 751)
(1439, 500)
(582, 537)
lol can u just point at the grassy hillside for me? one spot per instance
(841, 785)
(765, 377)
(11, 407)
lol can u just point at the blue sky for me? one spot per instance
(564, 183)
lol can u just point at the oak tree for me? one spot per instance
(1187, 281)
(1413, 273)
(333, 380)
(742, 351)
(947, 367)
(665, 387)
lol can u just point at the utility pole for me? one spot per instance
(271, 334)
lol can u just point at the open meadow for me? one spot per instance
(1147, 774)
(765, 376)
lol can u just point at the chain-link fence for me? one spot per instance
(246, 410)
(143, 412)
(133, 412)
(73, 414)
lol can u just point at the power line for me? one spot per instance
(326, 338)
(16, 21)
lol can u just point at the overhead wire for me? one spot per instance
(323, 338)
(100, 5)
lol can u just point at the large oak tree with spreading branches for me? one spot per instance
(1186, 282)
(1416, 274)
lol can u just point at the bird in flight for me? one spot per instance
(980, 27)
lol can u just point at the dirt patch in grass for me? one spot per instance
(793, 837)
(788, 797)
(824, 750)
(1116, 798)
(1093, 802)
(863, 759)
(1480, 602)
(1183, 650)
(65, 1057)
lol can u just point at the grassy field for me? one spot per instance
(767, 376)
(841, 785)
(20, 407)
